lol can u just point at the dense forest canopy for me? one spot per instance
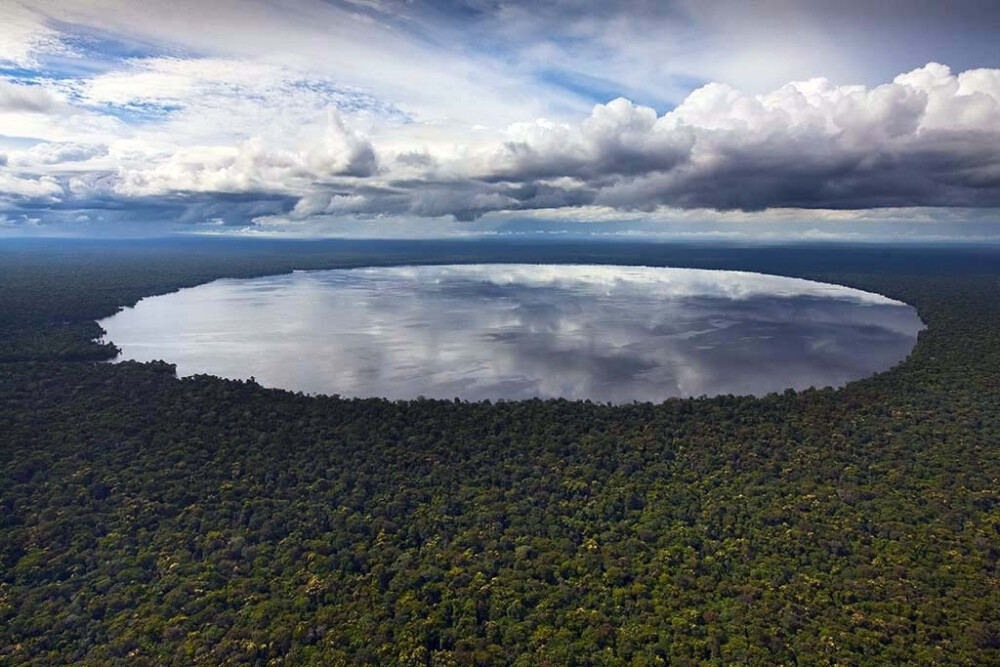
(150, 520)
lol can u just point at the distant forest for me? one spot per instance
(150, 520)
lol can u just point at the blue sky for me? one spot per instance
(713, 119)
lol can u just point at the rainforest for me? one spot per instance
(147, 519)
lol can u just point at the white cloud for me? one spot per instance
(42, 112)
(24, 34)
(425, 78)
(253, 166)
(618, 138)
(53, 153)
(44, 188)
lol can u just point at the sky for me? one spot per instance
(683, 119)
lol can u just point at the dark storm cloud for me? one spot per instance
(464, 200)
(941, 169)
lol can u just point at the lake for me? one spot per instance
(515, 331)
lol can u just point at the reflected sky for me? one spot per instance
(607, 333)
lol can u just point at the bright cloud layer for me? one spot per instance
(106, 118)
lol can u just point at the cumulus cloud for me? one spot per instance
(15, 186)
(619, 138)
(255, 166)
(929, 138)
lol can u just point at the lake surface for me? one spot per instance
(514, 331)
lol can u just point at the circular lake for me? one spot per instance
(515, 331)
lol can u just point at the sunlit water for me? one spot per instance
(607, 333)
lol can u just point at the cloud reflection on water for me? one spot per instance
(607, 333)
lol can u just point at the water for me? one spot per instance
(514, 331)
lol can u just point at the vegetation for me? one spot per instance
(146, 520)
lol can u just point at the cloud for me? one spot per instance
(619, 138)
(201, 96)
(14, 186)
(388, 57)
(929, 138)
(53, 153)
(42, 111)
(28, 99)
(23, 34)
(254, 166)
